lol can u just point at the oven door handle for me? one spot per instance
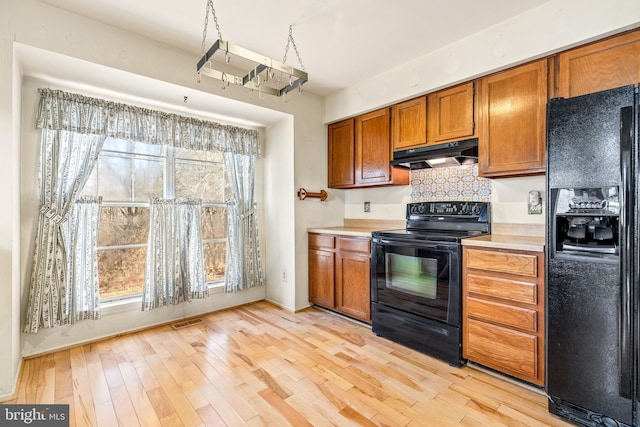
(415, 244)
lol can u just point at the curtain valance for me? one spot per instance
(59, 110)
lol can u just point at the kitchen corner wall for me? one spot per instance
(508, 196)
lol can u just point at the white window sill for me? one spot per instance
(135, 304)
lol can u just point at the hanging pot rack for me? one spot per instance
(266, 75)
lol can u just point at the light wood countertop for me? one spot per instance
(345, 231)
(364, 228)
(505, 241)
(359, 227)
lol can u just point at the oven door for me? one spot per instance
(418, 277)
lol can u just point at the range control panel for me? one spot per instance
(423, 209)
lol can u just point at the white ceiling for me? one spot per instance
(341, 42)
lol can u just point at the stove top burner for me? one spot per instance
(426, 235)
(442, 221)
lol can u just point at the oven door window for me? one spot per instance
(412, 275)
(418, 280)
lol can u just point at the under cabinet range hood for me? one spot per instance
(432, 156)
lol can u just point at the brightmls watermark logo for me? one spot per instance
(34, 415)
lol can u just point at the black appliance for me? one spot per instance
(416, 277)
(463, 152)
(592, 258)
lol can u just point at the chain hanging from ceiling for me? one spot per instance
(264, 75)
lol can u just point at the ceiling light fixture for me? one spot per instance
(264, 75)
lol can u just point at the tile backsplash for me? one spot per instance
(460, 183)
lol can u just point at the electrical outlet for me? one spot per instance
(534, 204)
(367, 206)
(284, 275)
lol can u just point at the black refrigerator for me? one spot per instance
(592, 258)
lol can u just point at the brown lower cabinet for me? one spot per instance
(503, 311)
(339, 274)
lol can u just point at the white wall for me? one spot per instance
(311, 154)
(10, 82)
(386, 202)
(551, 27)
(279, 213)
(125, 58)
(509, 200)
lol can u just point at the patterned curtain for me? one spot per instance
(81, 239)
(243, 269)
(74, 128)
(66, 160)
(82, 114)
(175, 269)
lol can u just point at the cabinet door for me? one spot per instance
(510, 351)
(341, 154)
(409, 124)
(321, 278)
(373, 150)
(353, 274)
(451, 114)
(600, 66)
(513, 119)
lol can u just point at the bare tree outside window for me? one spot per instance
(127, 175)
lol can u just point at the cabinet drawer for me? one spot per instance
(515, 317)
(353, 245)
(510, 290)
(512, 352)
(321, 241)
(503, 262)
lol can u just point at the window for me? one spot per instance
(127, 175)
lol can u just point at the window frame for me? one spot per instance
(169, 159)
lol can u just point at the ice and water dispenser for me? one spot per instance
(586, 222)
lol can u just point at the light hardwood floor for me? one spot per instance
(259, 365)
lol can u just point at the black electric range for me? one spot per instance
(416, 276)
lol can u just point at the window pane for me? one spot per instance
(200, 180)
(214, 223)
(208, 156)
(121, 272)
(114, 178)
(142, 148)
(214, 259)
(123, 226)
(148, 179)
(114, 144)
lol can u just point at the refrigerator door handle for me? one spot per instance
(626, 238)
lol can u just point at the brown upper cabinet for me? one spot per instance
(508, 107)
(602, 65)
(446, 115)
(342, 154)
(512, 121)
(373, 152)
(409, 124)
(451, 114)
(360, 152)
